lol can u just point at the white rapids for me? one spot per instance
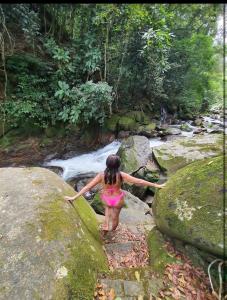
(92, 162)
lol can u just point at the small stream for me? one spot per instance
(90, 163)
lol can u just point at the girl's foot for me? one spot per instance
(105, 227)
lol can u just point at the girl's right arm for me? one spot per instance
(130, 179)
(87, 187)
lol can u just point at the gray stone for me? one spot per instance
(44, 238)
(134, 153)
(122, 248)
(174, 131)
(154, 286)
(190, 207)
(178, 153)
(133, 288)
(135, 211)
(117, 285)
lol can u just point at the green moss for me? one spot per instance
(192, 199)
(147, 128)
(127, 123)
(78, 227)
(158, 254)
(98, 205)
(112, 123)
(128, 160)
(37, 181)
(139, 117)
(55, 132)
(169, 162)
(87, 215)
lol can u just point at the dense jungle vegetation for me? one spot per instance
(79, 63)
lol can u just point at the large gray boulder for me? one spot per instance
(49, 249)
(190, 207)
(134, 153)
(136, 211)
(178, 153)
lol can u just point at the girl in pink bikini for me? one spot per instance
(111, 193)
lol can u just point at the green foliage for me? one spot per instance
(87, 103)
(86, 57)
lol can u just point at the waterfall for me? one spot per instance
(163, 116)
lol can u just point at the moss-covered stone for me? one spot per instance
(190, 207)
(176, 154)
(59, 244)
(147, 130)
(158, 254)
(127, 123)
(185, 127)
(112, 123)
(98, 205)
(134, 153)
(139, 117)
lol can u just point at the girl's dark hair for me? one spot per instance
(113, 163)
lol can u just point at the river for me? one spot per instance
(92, 162)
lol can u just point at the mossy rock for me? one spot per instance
(190, 207)
(112, 123)
(98, 205)
(134, 153)
(159, 257)
(176, 154)
(139, 117)
(148, 130)
(185, 127)
(127, 123)
(50, 249)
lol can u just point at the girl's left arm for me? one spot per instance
(87, 187)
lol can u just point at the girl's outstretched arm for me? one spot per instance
(87, 187)
(130, 179)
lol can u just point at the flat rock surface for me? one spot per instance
(178, 153)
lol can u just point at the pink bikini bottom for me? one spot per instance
(112, 200)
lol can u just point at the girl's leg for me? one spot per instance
(116, 213)
(106, 221)
(116, 217)
(109, 215)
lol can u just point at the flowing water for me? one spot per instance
(92, 162)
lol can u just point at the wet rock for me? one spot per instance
(198, 122)
(186, 127)
(174, 131)
(214, 129)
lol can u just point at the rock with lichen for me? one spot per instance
(134, 153)
(49, 249)
(180, 152)
(190, 207)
